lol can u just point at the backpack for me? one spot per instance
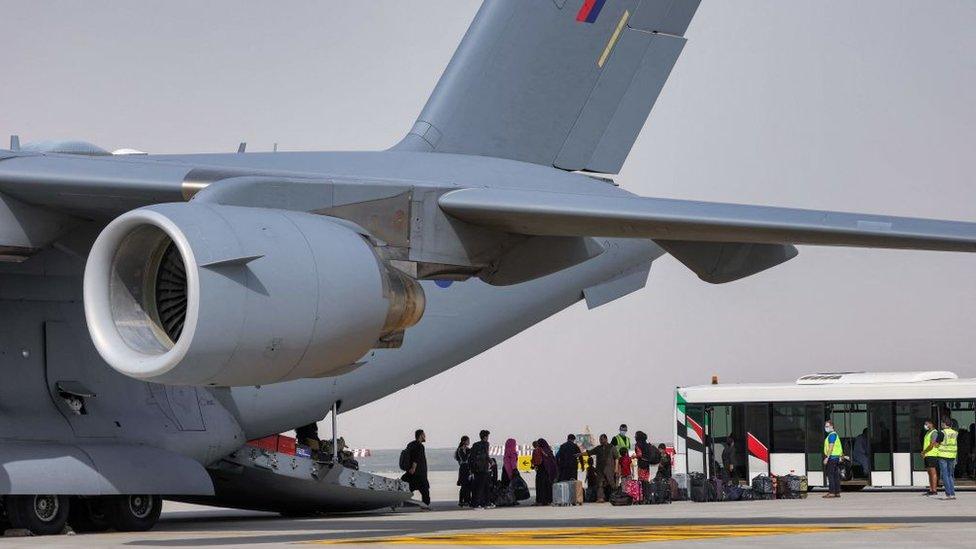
(650, 455)
(519, 487)
(405, 459)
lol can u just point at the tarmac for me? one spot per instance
(858, 519)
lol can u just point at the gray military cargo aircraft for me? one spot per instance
(158, 311)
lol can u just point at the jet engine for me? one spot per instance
(202, 294)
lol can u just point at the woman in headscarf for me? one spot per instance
(545, 472)
(464, 471)
(510, 461)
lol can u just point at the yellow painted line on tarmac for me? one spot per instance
(604, 535)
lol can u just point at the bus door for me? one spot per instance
(880, 450)
(907, 464)
(724, 425)
(756, 427)
(963, 415)
(851, 424)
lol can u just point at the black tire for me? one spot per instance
(42, 515)
(133, 513)
(89, 515)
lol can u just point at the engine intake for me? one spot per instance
(198, 294)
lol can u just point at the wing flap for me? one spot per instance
(560, 214)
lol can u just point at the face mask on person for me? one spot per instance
(828, 429)
(623, 432)
(927, 427)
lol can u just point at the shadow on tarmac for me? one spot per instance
(339, 527)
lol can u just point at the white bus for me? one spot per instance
(778, 428)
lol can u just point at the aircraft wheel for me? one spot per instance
(42, 515)
(134, 513)
(89, 515)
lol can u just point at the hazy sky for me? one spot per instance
(859, 106)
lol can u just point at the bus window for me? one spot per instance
(788, 435)
(880, 447)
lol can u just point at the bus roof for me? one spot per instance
(840, 386)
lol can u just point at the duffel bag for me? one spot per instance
(618, 498)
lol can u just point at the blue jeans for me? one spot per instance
(947, 469)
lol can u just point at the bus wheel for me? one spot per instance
(89, 515)
(134, 513)
(42, 515)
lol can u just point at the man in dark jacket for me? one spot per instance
(480, 463)
(569, 458)
(416, 475)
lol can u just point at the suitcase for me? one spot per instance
(747, 494)
(563, 493)
(683, 486)
(718, 489)
(677, 493)
(577, 492)
(657, 491)
(632, 488)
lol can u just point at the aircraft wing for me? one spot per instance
(558, 214)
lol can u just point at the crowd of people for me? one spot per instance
(483, 484)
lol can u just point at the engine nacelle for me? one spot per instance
(197, 294)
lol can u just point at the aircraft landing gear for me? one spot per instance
(134, 513)
(42, 515)
(89, 515)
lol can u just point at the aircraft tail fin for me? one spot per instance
(566, 83)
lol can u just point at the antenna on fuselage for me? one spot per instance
(15, 142)
(242, 147)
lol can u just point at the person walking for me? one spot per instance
(930, 456)
(570, 459)
(832, 450)
(546, 471)
(480, 464)
(622, 441)
(461, 455)
(948, 450)
(416, 475)
(604, 468)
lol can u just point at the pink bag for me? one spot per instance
(632, 488)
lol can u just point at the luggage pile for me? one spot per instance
(567, 492)
(639, 492)
(703, 490)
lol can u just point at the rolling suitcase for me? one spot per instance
(677, 493)
(657, 491)
(563, 493)
(577, 492)
(681, 487)
(632, 488)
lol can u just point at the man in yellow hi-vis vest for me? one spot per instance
(947, 450)
(622, 441)
(930, 456)
(833, 450)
